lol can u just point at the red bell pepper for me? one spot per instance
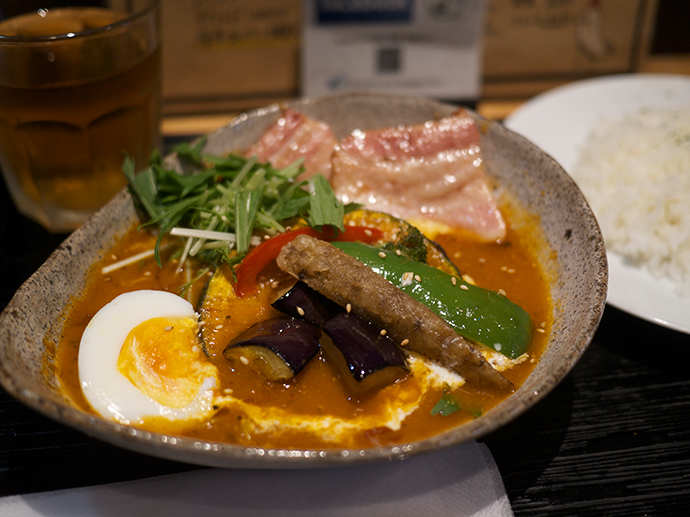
(266, 252)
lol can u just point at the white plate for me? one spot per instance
(559, 122)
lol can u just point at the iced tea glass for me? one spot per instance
(79, 89)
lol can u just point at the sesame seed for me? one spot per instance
(418, 278)
(456, 254)
(482, 260)
(367, 232)
(398, 252)
(227, 391)
(453, 280)
(407, 278)
(382, 254)
(383, 332)
(147, 273)
(113, 257)
(468, 279)
(543, 324)
(300, 311)
(218, 327)
(501, 292)
(266, 237)
(244, 360)
(348, 308)
(511, 271)
(405, 342)
(108, 278)
(540, 330)
(168, 328)
(464, 287)
(504, 268)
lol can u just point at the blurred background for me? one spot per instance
(224, 56)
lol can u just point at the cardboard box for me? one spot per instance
(532, 45)
(228, 55)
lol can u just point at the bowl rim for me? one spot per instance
(221, 454)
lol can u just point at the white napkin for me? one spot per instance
(458, 481)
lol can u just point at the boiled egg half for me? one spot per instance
(139, 358)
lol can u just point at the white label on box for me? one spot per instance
(416, 47)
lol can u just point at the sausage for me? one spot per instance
(345, 280)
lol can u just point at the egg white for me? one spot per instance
(108, 391)
(398, 405)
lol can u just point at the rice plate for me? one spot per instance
(635, 173)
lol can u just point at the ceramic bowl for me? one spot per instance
(31, 323)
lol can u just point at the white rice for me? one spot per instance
(635, 173)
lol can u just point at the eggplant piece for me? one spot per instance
(365, 359)
(304, 303)
(278, 348)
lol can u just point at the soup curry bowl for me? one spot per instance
(572, 257)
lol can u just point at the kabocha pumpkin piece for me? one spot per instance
(346, 280)
(278, 348)
(403, 239)
(365, 358)
(222, 315)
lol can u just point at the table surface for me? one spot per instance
(612, 439)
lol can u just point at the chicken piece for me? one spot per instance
(431, 171)
(294, 136)
(345, 280)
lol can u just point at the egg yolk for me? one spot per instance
(162, 358)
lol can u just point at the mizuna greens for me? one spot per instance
(220, 201)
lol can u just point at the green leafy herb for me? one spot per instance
(190, 154)
(246, 207)
(325, 207)
(230, 194)
(449, 404)
(446, 406)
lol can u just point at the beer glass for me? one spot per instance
(79, 89)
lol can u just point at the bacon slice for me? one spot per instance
(429, 171)
(294, 136)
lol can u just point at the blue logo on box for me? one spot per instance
(363, 11)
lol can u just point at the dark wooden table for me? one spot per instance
(612, 439)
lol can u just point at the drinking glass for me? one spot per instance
(79, 89)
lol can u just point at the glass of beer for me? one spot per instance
(79, 89)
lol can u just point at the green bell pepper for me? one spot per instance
(478, 314)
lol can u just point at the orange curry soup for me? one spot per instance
(511, 266)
